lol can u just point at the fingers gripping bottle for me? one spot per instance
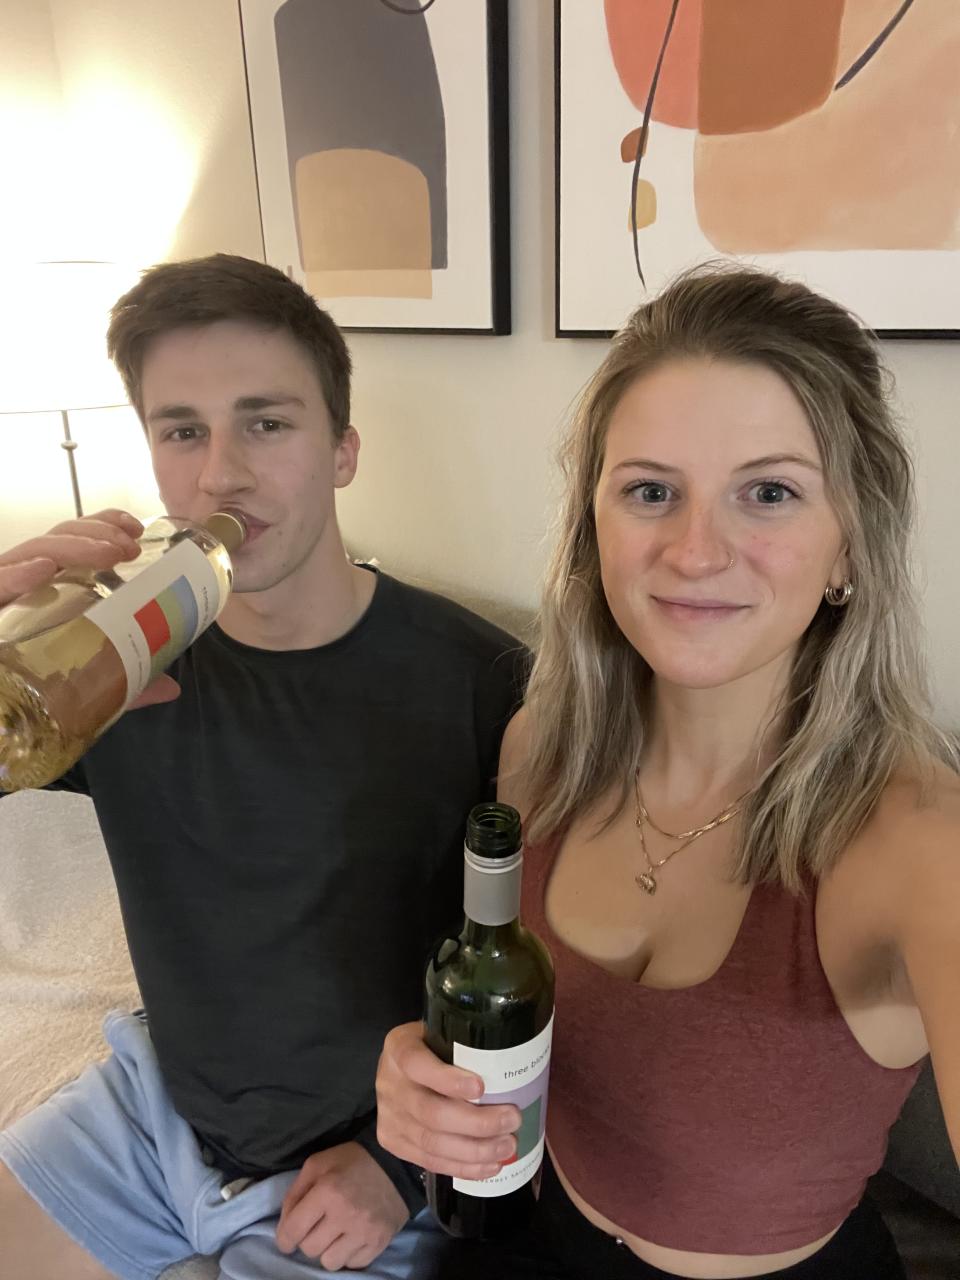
(75, 653)
(489, 1008)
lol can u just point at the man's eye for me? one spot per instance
(183, 434)
(269, 425)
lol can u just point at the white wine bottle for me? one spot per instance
(489, 1008)
(75, 653)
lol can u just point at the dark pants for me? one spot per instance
(562, 1245)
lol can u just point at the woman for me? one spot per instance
(743, 831)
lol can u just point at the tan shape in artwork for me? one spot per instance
(863, 20)
(364, 224)
(646, 205)
(369, 284)
(876, 167)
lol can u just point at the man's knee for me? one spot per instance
(34, 1247)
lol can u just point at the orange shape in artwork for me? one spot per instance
(635, 31)
(629, 144)
(762, 64)
(861, 172)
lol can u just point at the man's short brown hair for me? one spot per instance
(202, 291)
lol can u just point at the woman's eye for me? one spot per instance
(650, 492)
(771, 493)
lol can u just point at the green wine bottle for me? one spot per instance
(489, 1008)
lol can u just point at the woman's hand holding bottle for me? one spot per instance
(426, 1112)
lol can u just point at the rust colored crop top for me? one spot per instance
(738, 1116)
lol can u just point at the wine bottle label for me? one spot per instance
(519, 1075)
(159, 613)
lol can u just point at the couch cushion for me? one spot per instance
(920, 1153)
(927, 1237)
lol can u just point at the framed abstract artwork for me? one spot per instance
(380, 135)
(818, 139)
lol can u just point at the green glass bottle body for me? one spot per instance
(489, 1008)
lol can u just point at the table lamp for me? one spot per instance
(53, 359)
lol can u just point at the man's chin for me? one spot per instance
(248, 582)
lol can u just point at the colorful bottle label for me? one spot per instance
(519, 1075)
(159, 613)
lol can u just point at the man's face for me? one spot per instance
(235, 417)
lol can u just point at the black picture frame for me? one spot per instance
(498, 126)
(907, 334)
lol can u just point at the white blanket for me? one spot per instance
(63, 957)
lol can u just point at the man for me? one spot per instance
(284, 825)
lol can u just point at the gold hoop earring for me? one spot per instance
(839, 597)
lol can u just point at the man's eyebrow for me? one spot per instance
(182, 412)
(172, 413)
(270, 400)
(768, 460)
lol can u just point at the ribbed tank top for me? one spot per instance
(738, 1116)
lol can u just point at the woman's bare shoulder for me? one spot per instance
(911, 839)
(899, 872)
(920, 865)
(514, 751)
(922, 802)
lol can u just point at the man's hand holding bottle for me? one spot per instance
(95, 542)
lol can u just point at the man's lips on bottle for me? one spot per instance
(691, 609)
(254, 526)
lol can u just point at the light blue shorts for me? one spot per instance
(110, 1160)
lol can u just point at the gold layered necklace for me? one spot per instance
(647, 880)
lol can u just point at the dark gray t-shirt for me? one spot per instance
(286, 839)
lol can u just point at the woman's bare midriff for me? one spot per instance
(698, 1266)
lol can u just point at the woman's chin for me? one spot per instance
(684, 678)
(699, 670)
(715, 670)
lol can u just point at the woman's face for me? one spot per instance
(715, 535)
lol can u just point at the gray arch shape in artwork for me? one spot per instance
(355, 74)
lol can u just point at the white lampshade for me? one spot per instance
(53, 322)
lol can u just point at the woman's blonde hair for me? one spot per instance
(856, 708)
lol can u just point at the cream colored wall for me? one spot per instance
(456, 474)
